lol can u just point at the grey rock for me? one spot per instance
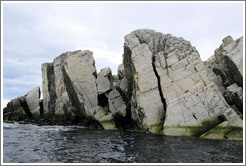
(170, 71)
(116, 103)
(17, 110)
(63, 102)
(122, 82)
(162, 85)
(104, 80)
(234, 97)
(32, 100)
(80, 73)
(147, 107)
(48, 88)
(225, 69)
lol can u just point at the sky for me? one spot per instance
(36, 33)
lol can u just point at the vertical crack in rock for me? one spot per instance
(103, 101)
(163, 100)
(41, 105)
(131, 93)
(127, 121)
(25, 107)
(51, 88)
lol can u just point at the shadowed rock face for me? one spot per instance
(162, 86)
(225, 69)
(82, 74)
(49, 88)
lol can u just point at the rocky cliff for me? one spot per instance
(162, 87)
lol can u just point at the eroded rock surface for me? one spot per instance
(81, 78)
(170, 70)
(104, 80)
(162, 86)
(225, 69)
(48, 88)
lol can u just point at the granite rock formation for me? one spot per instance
(225, 69)
(32, 100)
(171, 90)
(162, 87)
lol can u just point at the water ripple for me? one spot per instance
(24, 143)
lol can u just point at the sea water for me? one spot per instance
(26, 143)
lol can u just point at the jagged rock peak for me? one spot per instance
(157, 41)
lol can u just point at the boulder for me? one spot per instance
(17, 110)
(116, 103)
(224, 131)
(122, 82)
(234, 50)
(80, 81)
(105, 118)
(104, 80)
(234, 97)
(32, 100)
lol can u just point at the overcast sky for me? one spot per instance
(35, 33)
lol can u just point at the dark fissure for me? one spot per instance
(26, 108)
(103, 101)
(124, 122)
(163, 100)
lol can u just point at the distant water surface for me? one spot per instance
(25, 143)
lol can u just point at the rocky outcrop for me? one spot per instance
(225, 69)
(169, 80)
(49, 88)
(23, 107)
(16, 110)
(162, 87)
(104, 81)
(147, 105)
(56, 100)
(32, 100)
(80, 80)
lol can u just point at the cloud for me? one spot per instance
(35, 33)
(109, 56)
(4, 102)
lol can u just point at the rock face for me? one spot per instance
(49, 88)
(146, 101)
(80, 79)
(178, 91)
(80, 74)
(16, 109)
(162, 87)
(55, 97)
(225, 69)
(24, 107)
(104, 80)
(32, 100)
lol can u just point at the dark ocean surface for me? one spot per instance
(25, 143)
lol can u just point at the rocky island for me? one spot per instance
(162, 87)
